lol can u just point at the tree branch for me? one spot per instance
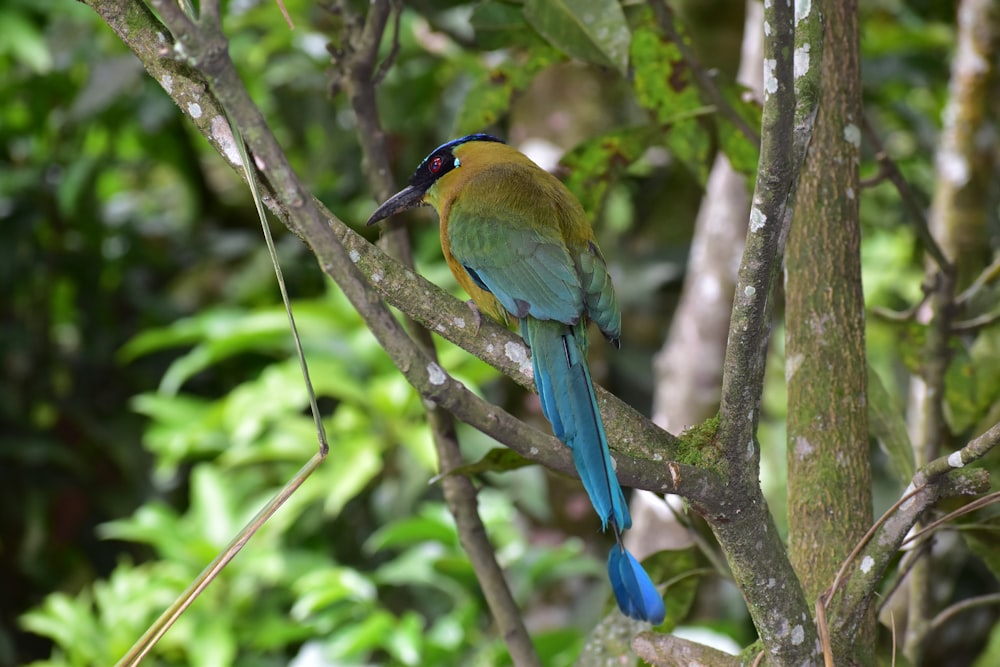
(941, 478)
(348, 258)
(663, 650)
(739, 516)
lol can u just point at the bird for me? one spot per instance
(520, 244)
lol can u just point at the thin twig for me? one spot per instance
(909, 198)
(892, 621)
(149, 639)
(989, 276)
(832, 590)
(968, 508)
(969, 603)
(908, 315)
(824, 632)
(390, 58)
(976, 323)
(976, 449)
(284, 12)
(881, 175)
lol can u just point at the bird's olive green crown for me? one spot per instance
(442, 160)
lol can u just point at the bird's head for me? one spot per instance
(439, 163)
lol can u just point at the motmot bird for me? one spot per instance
(520, 244)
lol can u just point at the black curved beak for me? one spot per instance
(408, 197)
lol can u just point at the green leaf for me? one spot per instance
(22, 39)
(885, 421)
(664, 83)
(457, 568)
(212, 642)
(594, 164)
(555, 564)
(912, 343)
(961, 388)
(991, 654)
(154, 523)
(500, 25)
(369, 633)
(972, 382)
(498, 459)
(742, 153)
(678, 569)
(411, 531)
(68, 622)
(491, 94)
(228, 331)
(690, 144)
(559, 646)
(323, 588)
(594, 31)
(406, 640)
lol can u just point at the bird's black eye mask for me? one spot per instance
(442, 160)
(434, 166)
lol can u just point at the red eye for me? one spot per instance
(435, 164)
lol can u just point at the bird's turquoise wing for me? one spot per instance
(598, 292)
(517, 254)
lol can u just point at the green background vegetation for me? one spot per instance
(151, 401)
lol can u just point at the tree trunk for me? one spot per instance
(829, 478)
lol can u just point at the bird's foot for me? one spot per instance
(477, 316)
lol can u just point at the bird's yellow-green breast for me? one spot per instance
(500, 211)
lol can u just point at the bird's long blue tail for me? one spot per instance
(559, 357)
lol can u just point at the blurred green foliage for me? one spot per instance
(151, 401)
